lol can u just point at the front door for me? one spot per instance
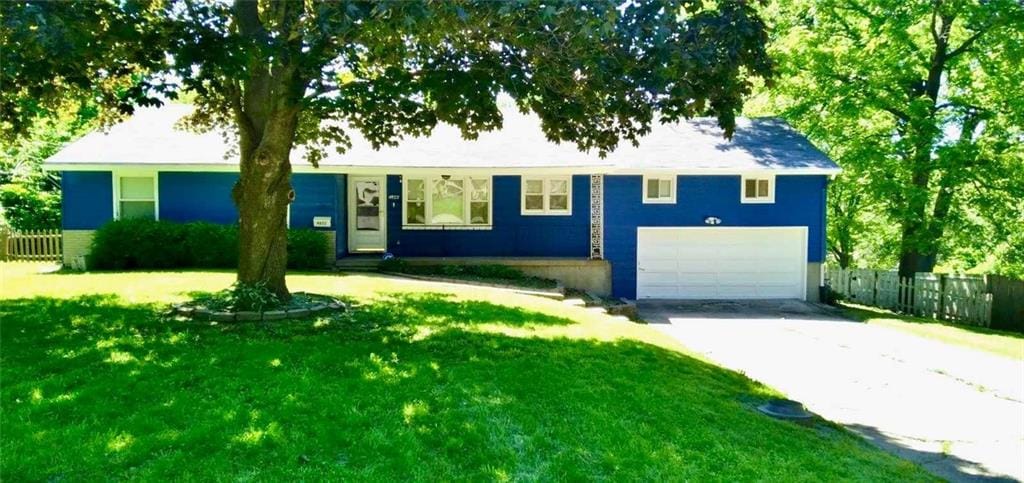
(367, 214)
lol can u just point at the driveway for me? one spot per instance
(956, 411)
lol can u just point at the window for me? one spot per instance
(550, 195)
(135, 196)
(757, 189)
(447, 201)
(660, 189)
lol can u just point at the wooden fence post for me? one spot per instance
(5, 234)
(875, 288)
(942, 297)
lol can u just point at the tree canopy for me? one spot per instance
(286, 73)
(920, 102)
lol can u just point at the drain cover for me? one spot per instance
(785, 409)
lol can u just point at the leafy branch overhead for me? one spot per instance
(596, 72)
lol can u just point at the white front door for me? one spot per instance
(367, 214)
(721, 263)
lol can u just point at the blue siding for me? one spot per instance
(195, 196)
(87, 199)
(799, 201)
(512, 234)
(315, 195)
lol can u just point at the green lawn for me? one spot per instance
(1005, 344)
(420, 383)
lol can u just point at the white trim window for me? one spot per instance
(757, 189)
(136, 195)
(546, 195)
(446, 201)
(659, 189)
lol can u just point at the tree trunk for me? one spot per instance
(266, 110)
(917, 248)
(917, 251)
(262, 195)
(913, 261)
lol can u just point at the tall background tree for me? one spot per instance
(920, 102)
(29, 196)
(288, 73)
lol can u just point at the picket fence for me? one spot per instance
(34, 245)
(956, 298)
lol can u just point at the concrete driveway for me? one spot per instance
(956, 411)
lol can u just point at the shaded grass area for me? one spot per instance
(413, 384)
(1001, 343)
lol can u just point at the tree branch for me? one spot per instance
(247, 16)
(967, 43)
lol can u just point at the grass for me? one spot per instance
(418, 383)
(1000, 343)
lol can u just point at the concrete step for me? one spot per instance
(358, 264)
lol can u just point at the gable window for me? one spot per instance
(547, 195)
(758, 189)
(659, 189)
(135, 196)
(445, 200)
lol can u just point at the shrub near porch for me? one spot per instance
(420, 383)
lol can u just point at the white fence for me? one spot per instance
(957, 298)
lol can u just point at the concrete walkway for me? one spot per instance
(956, 411)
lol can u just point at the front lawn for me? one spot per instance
(420, 383)
(1000, 343)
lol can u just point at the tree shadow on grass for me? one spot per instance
(96, 389)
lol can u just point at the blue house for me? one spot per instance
(685, 214)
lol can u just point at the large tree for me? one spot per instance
(920, 101)
(287, 73)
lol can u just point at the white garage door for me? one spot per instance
(721, 263)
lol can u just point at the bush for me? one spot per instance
(134, 244)
(28, 208)
(306, 249)
(143, 244)
(254, 297)
(830, 296)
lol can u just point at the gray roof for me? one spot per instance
(149, 138)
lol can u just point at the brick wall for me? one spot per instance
(76, 247)
(332, 255)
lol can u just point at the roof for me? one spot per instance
(149, 138)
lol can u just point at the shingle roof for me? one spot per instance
(150, 138)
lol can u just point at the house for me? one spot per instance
(686, 214)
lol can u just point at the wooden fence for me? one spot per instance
(35, 245)
(1007, 302)
(957, 298)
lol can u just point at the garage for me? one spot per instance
(721, 262)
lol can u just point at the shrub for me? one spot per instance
(306, 249)
(254, 297)
(830, 296)
(143, 244)
(134, 244)
(211, 246)
(394, 265)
